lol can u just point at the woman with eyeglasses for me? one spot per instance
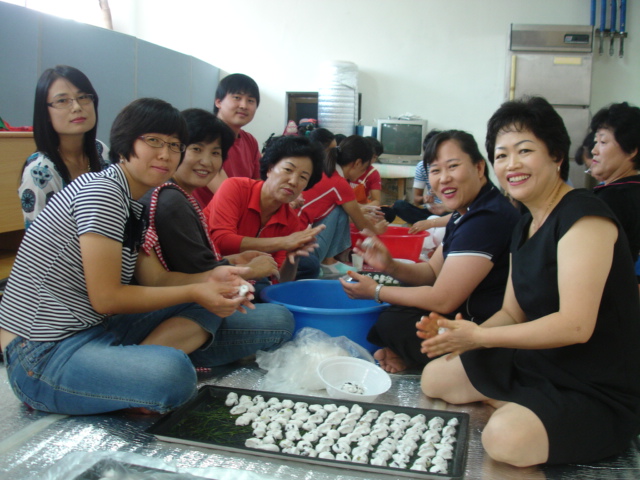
(65, 121)
(78, 337)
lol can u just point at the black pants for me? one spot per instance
(396, 329)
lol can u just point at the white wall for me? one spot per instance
(444, 61)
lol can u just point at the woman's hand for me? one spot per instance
(428, 197)
(375, 253)
(245, 257)
(372, 212)
(381, 226)
(220, 293)
(297, 203)
(363, 288)
(459, 337)
(262, 266)
(300, 244)
(421, 226)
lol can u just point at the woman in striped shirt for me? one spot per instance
(77, 337)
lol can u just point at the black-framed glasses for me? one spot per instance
(67, 102)
(156, 142)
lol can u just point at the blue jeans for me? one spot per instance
(336, 237)
(102, 368)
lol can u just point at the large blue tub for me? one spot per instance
(322, 304)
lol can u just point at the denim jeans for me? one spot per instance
(336, 237)
(103, 368)
(243, 334)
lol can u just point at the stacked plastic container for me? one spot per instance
(338, 97)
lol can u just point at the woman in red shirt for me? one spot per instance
(332, 202)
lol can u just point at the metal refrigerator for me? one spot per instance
(555, 62)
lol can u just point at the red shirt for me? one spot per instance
(234, 213)
(243, 160)
(323, 197)
(370, 179)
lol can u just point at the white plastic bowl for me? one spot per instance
(336, 371)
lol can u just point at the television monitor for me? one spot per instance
(401, 140)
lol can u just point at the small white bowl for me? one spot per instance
(336, 371)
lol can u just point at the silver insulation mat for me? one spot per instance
(39, 446)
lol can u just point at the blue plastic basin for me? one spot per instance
(322, 304)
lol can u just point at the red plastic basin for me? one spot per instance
(398, 240)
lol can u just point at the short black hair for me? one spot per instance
(322, 136)
(465, 141)
(339, 138)
(205, 127)
(378, 148)
(624, 121)
(237, 83)
(427, 138)
(585, 147)
(285, 147)
(46, 138)
(144, 115)
(536, 115)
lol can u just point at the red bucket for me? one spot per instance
(398, 240)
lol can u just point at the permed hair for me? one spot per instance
(285, 147)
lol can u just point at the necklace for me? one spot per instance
(535, 226)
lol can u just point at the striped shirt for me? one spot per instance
(46, 298)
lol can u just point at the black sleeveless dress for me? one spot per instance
(586, 395)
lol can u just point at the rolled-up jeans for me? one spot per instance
(102, 368)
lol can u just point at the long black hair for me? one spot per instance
(46, 138)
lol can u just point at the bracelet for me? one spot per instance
(376, 295)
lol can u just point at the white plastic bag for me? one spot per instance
(292, 367)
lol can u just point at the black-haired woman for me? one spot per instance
(560, 360)
(77, 336)
(65, 121)
(467, 272)
(332, 202)
(247, 214)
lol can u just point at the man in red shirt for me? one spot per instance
(236, 102)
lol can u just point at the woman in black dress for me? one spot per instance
(560, 361)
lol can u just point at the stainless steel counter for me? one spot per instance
(39, 446)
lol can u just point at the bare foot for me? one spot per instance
(389, 361)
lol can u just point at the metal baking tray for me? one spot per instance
(205, 421)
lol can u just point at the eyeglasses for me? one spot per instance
(67, 102)
(155, 142)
